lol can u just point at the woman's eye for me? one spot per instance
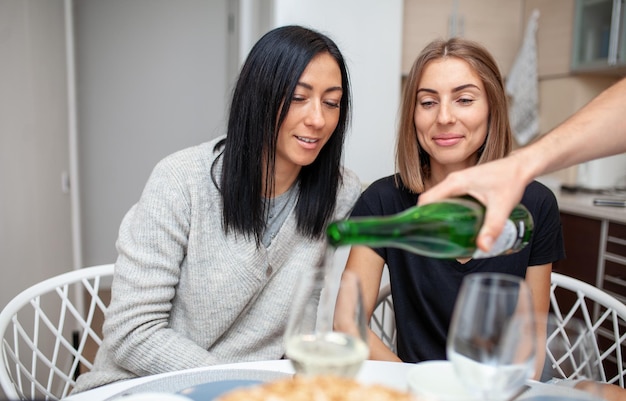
(427, 103)
(332, 104)
(466, 101)
(298, 98)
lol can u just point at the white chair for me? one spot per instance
(569, 297)
(603, 314)
(45, 331)
(383, 321)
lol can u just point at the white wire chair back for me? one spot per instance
(603, 315)
(46, 331)
(383, 321)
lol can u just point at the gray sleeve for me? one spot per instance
(152, 243)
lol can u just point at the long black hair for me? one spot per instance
(260, 103)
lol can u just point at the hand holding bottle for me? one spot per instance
(485, 182)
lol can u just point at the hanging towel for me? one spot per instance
(522, 86)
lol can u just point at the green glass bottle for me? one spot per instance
(447, 229)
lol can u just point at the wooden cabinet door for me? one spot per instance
(496, 24)
(582, 243)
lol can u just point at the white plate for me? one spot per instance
(211, 391)
(199, 386)
(155, 396)
(436, 380)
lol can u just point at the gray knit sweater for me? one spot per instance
(185, 295)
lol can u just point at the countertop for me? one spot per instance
(581, 204)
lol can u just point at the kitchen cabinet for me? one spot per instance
(496, 24)
(582, 243)
(600, 37)
(596, 252)
(595, 243)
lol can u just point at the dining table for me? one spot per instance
(391, 374)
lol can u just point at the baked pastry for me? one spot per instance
(316, 388)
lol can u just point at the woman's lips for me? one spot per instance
(307, 143)
(448, 140)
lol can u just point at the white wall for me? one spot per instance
(153, 78)
(369, 34)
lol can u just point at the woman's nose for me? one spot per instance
(315, 116)
(446, 114)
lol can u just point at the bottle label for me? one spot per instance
(503, 243)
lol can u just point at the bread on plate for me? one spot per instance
(316, 388)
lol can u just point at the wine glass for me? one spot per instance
(492, 337)
(312, 343)
(571, 355)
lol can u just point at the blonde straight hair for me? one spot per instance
(412, 162)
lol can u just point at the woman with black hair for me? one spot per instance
(210, 255)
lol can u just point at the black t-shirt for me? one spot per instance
(424, 289)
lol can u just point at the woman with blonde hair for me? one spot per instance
(453, 116)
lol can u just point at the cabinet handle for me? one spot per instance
(614, 37)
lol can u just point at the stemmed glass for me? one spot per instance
(492, 337)
(312, 343)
